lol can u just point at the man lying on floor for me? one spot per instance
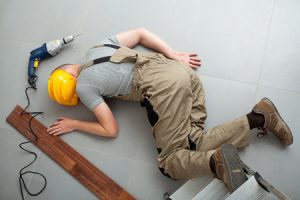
(170, 90)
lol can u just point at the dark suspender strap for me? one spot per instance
(112, 46)
(99, 60)
(106, 58)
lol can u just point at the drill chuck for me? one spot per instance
(55, 46)
(68, 39)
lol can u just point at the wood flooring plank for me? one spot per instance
(68, 158)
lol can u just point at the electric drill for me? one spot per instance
(48, 49)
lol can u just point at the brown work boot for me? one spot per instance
(228, 167)
(273, 121)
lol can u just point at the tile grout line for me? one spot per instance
(133, 173)
(17, 40)
(173, 13)
(105, 153)
(225, 79)
(83, 21)
(117, 156)
(145, 163)
(6, 128)
(282, 89)
(85, 15)
(265, 49)
(136, 152)
(247, 83)
(133, 161)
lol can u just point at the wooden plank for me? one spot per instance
(68, 158)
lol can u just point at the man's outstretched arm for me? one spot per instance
(144, 37)
(105, 126)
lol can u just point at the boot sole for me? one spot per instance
(284, 124)
(233, 167)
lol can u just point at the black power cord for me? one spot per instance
(23, 172)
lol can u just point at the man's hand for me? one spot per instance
(144, 37)
(190, 58)
(61, 126)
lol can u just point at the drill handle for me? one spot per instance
(36, 56)
(33, 64)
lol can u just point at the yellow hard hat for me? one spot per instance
(62, 88)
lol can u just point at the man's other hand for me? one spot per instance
(189, 58)
(61, 126)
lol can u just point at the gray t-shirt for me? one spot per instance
(105, 79)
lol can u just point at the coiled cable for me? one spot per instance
(23, 171)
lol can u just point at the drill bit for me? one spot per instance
(79, 34)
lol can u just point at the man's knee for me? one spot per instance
(174, 166)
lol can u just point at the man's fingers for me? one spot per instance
(58, 133)
(194, 62)
(60, 118)
(193, 66)
(55, 131)
(192, 55)
(197, 63)
(53, 128)
(195, 59)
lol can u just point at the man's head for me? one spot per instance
(62, 84)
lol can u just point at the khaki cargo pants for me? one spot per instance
(174, 98)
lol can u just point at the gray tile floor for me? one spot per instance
(250, 49)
